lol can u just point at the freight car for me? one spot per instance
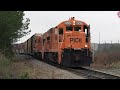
(32, 46)
(68, 44)
(18, 48)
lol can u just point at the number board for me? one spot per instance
(78, 23)
(68, 23)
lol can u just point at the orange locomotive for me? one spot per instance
(68, 44)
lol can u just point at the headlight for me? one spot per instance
(68, 45)
(86, 46)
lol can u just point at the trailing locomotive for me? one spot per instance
(68, 44)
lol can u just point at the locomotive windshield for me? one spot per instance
(77, 28)
(69, 28)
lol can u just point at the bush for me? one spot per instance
(24, 75)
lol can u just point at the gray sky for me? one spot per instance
(105, 22)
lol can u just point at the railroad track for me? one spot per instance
(94, 74)
(89, 73)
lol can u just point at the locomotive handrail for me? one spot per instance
(62, 41)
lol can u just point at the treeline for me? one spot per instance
(108, 47)
(13, 26)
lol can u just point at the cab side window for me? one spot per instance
(60, 31)
(86, 30)
(43, 41)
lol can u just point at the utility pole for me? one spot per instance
(99, 42)
(99, 37)
(93, 52)
(111, 41)
(105, 42)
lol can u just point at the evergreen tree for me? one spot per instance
(12, 27)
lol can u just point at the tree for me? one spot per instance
(12, 27)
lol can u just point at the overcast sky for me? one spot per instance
(107, 23)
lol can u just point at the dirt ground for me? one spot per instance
(25, 67)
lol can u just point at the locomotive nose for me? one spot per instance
(75, 41)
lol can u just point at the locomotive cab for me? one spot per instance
(75, 44)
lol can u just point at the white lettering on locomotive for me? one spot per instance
(75, 40)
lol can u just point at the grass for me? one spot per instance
(5, 65)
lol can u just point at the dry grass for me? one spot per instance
(107, 59)
(13, 68)
(22, 68)
(5, 65)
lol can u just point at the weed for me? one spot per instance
(24, 75)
